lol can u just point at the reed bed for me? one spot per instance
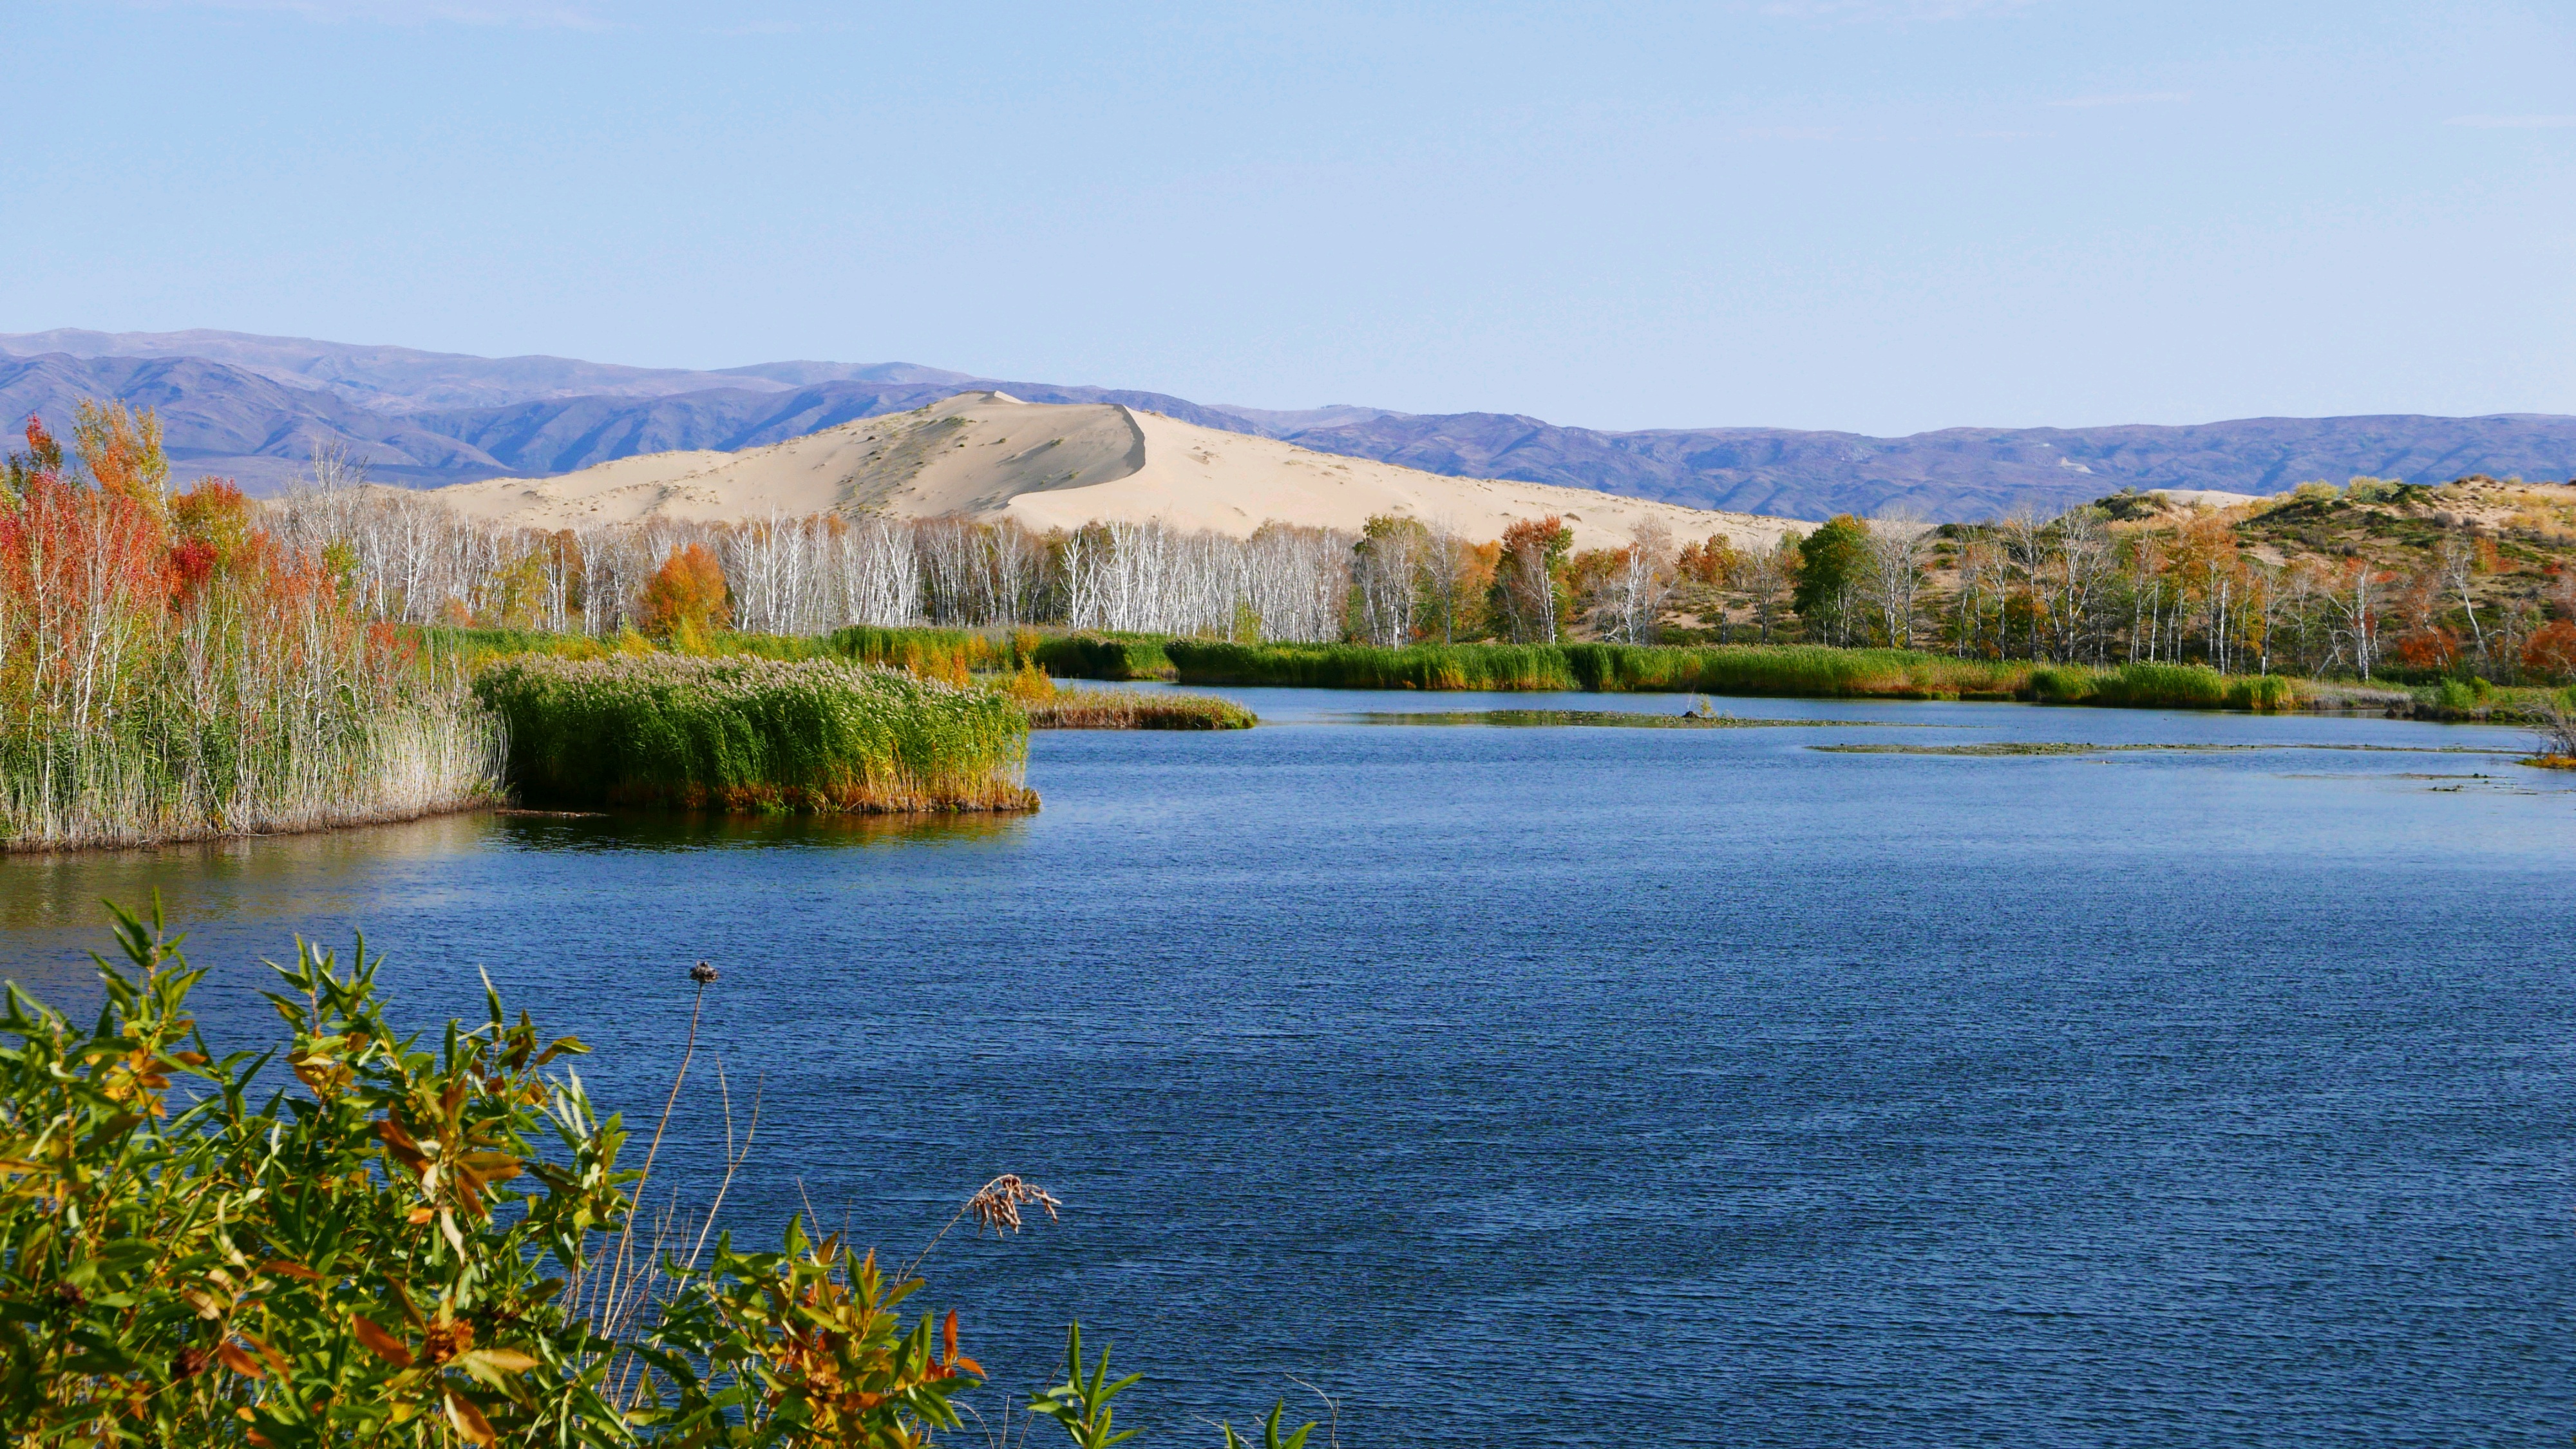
(1791, 671)
(168, 672)
(1360, 666)
(177, 771)
(744, 733)
(1128, 709)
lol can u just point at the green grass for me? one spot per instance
(1781, 671)
(955, 653)
(1105, 656)
(746, 733)
(1358, 666)
(1787, 671)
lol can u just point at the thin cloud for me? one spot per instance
(2513, 123)
(2134, 98)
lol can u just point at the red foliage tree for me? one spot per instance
(2550, 653)
(685, 597)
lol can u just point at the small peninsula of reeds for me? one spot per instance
(745, 733)
(1131, 709)
(169, 672)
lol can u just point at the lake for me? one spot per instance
(1598, 1085)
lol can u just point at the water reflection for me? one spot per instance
(663, 830)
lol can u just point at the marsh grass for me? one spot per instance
(810, 736)
(1128, 709)
(1518, 667)
(1104, 656)
(250, 714)
(1784, 671)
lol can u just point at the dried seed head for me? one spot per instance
(702, 973)
(997, 1204)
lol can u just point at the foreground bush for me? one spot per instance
(747, 733)
(190, 1257)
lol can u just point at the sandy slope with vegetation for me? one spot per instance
(988, 455)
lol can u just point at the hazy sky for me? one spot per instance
(1881, 215)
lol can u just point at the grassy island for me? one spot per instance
(747, 733)
(1128, 709)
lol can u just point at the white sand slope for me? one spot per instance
(989, 456)
(2206, 497)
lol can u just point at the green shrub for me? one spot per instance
(753, 734)
(412, 1246)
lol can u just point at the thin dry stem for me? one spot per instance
(995, 1205)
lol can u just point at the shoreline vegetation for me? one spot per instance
(168, 672)
(189, 664)
(809, 736)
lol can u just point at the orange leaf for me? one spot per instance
(418, 1216)
(292, 1270)
(238, 1359)
(948, 1335)
(469, 1420)
(275, 1359)
(400, 1147)
(968, 1365)
(382, 1344)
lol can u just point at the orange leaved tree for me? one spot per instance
(685, 599)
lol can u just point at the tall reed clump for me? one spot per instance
(169, 672)
(2162, 686)
(950, 654)
(1104, 656)
(812, 736)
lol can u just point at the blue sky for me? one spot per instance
(1880, 215)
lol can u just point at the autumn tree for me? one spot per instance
(1529, 598)
(684, 601)
(121, 451)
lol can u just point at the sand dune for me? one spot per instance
(989, 455)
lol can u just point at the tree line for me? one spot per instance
(2114, 582)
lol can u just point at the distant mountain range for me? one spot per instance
(256, 408)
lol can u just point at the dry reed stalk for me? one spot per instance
(995, 1205)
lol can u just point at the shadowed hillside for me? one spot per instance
(254, 408)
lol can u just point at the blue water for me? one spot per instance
(1601, 1086)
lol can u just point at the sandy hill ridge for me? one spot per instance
(990, 456)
